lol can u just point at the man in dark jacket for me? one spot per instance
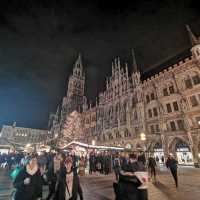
(172, 164)
(116, 166)
(152, 167)
(92, 163)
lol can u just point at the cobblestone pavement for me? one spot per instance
(98, 187)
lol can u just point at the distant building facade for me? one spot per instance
(165, 107)
(20, 136)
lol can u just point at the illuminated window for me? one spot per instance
(169, 109)
(175, 105)
(150, 113)
(171, 89)
(193, 101)
(196, 79)
(188, 83)
(165, 92)
(152, 129)
(152, 96)
(173, 126)
(155, 112)
(180, 124)
(147, 98)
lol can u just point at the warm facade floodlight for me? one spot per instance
(93, 142)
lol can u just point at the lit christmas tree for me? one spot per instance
(73, 127)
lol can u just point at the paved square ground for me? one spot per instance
(99, 187)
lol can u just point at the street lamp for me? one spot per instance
(28, 145)
(143, 136)
(93, 142)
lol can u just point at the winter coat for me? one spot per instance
(131, 167)
(127, 188)
(61, 185)
(33, 190)
(151, 163)
(172, 163)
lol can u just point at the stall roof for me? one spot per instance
(92, 146)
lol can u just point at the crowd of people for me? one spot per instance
(60, 172)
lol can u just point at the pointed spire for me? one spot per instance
(193, 39)
(135, 67)
(113, 68)
(79, 61)
(115, 62)
(126, 69)
(107, 83)
(96, 102)
(57, 111)
(78, 67)
(118, 63)
(90, 105)
(79, 58)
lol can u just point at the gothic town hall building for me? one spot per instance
(165, 108)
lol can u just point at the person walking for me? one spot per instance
(82, 165)
(172, 164)
(127, 187)
(92, 163)
(68, 185)
(116, 166)
(28, 182)
(152, 167)
(52, 174)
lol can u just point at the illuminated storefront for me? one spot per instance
(159, 153)
(184, 155)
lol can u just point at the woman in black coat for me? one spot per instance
(68, 184)
(29, 182)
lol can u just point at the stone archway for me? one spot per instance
(177, 142)
(155, 143)
(182, 150)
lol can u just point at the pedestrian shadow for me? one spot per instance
(165, 190)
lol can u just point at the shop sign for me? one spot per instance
(183, 150)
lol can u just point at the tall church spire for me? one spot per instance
(78, 67)
(193, 39)
(135, 67)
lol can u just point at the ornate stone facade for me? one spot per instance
(165, 107)
(20, 136)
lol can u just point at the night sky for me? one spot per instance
(40, 40)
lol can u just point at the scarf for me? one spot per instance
(31, 171)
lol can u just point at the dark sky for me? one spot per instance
(40, 40)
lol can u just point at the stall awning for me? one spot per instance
(91, 146)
